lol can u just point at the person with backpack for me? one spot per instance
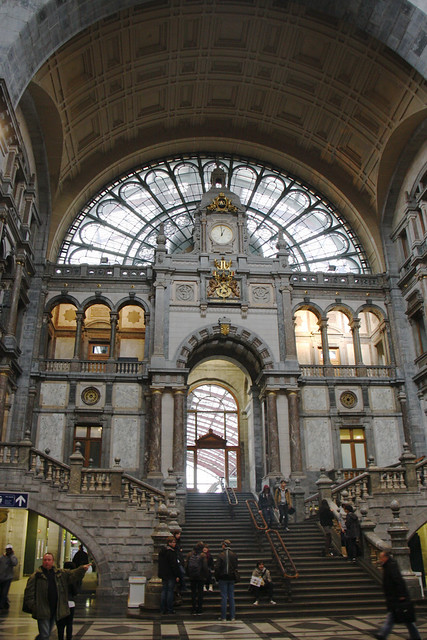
(197, 572)
(352, 532)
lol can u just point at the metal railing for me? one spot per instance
(279, 551)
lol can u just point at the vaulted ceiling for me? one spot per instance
(276, 81)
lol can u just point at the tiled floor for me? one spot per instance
(90, 624)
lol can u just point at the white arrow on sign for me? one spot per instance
(21, 500)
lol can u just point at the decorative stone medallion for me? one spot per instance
(348, 399)
(90, 395)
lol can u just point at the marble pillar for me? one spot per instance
(155, 435)
(323, 327)
(179, 453)
(294, 432)
(113, 332)
(79, 327)
(16, 290)
(273, 458)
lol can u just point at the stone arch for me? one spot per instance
(89, 302)
(61, 299)
(372, 308)
(239, 343)
(74, 525)
(309, 306)
(343, 308)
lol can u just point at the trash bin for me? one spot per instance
(136, 591)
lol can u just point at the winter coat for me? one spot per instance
(203, 566)
(36, 592)
(265, 500)
(326, 517)
(168, 563)
(6, 567)
(264, 574)
(394, 584)
(278, 497)
(352, 525)
(226, 565)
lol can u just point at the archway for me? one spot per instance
(217, 425)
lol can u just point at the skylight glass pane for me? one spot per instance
(122, 221)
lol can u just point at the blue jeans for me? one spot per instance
(45, 628)
(390, 622)
(226, 588)
(167, 595)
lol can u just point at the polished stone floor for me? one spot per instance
(95, 622)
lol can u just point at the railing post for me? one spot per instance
(374, 477)
(159, 536)
(24, 451)
(366, 526)
(76, 465)
(116, 479)
(169, 485)
(324, 485)
(398, 533)
(408, 463)
(181, 498)
(298, 494)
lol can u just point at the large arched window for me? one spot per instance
(120, 225)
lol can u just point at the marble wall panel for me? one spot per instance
(82, 386)
(125, 441)
(314, 398)
(387, 441)
(53, 394)
(50, 434)
(318, 443)
(126, 396)
(382, 399)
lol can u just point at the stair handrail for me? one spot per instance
(229, 492)
(253, 508)
(273, 532)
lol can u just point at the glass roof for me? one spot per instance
(120, 225)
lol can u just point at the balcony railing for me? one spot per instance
(93, 366)
(347, 371)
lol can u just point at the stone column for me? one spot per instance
(78, 340)
(405, 418)
(273, 458)
(358, 360)
(4, 379)
(294, 432)
(159, 317)
(44, 335)
(179, 452)
(289, 328)
(323, 327)
(113, 331)
(13, 311)
(155, 435)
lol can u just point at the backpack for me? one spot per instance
(194, 567)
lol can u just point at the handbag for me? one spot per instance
(404, 612)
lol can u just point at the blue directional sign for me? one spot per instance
(13, 500)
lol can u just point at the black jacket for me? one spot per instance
(394, 584)
(226, 565)
(168, 563)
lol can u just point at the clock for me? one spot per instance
(222, 234)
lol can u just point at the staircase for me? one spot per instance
(326, 586)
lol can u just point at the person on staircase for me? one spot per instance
(326, 519)
(180, 586)
(352, 532)
(261, 584)
(266, 505)
(227, 573)
(283, 502)
(197, 570)
(210, 579)
(399, 605)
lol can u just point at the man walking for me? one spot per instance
(283, 501)
(7, 562)
(399, 605)
(46, 594)
(226, 573)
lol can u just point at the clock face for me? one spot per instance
(221, 234)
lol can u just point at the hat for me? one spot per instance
(9, 546)
(266, 487)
